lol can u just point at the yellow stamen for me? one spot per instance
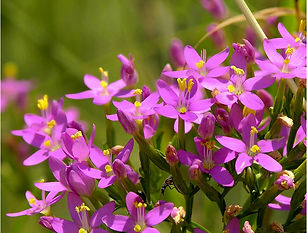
(137, 228)
(190, 85)
(140, 204)
(289, 50)
(106, 152)
(32, 200)
(302, 27)
(76, 135)
(47, 143)
(51, 124)
(10, 70)
(255, 149)
(101, 70)
(183, 110)
(297, 39)
(83, 207)
(82, 230)
(42, 181)
(77, 209)
(137, 104)
(138, 92)
(182, 83)
(42, 104)
(286, 61)
(231, 88)
(237, 70)
(200, 64)
(108, 168)
(210, 144)
(104, 84)
(208, 165)
(247, 111)
(253, 130)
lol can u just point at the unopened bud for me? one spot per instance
(285, 180)
(206, 126)
(218, 37)
(145, 92)
(127, 122)
(231, 211)
(194, 170)
(276, 226)
(176, 53)
(171, 155)
(247, 228)
(216, 7)
(266, 98)
(117, 149)
(215, 92)
(165, 78)
(178, 214)
(119, 168)
(246, 49)
(275, 155)
(222, 118)
(127, 72)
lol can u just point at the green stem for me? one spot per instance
(146, 172)
(300, 171)
(189, 207)
(181, 134)
(279, 100)
(196, 225)
(109, 128)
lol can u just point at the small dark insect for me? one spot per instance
(142, 195)
(167, 183)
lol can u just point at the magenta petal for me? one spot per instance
(300, 72)
(36, 158)
(73, 201)
(217, 59)
(99, 230)
(188, 116)
(116, 86)
(231, 143)
(82, 95)
(277, 206)
(91, 172)
(251, 100)
(217, 72)
(176, 74)
(130, 199)
(97, 218)
(106, 181)
(158, 214)
(91, 81)
(20, 213)
(112, 117)
(201, 105)
(51, 186)
(150, 101)
(187, 126)
(166, 93)
(284, 32)
(58, 169)
(226, 98)
(167, 111)
(221, 176)
(118, 222)
(223, 155)
(212, 83)
(191, 57)
(298, 57)
(150, 230)
(283, 199)
(97, 157)
(243, 161)
(258, 83)
(233, 226)
(102, 99)
(186, 158)
(271, 52)
(268, 163)
(236, 115)
(64, 226)
(125, 105)
(271, 145)
(126, 151)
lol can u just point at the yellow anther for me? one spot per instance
(253, 130)
(51, 124)
(76, 135)
(77, 209)
(297, 39)
(237, 70)
(137, 228)
(286, 61)
(47, 143)
(104, 84)
(182, 83)
(210, 144)
(183, 110)
(289, 50)
(247, 111)
(231, 88)
(101, 70)
(42, 181)
(190, 85)
(255, 149)
(83, 207)
(105, 74)
(42, 104)
(32, 200)
(108, 168)
(137, 104)
(10, 70)
(106, 152)
(208, 165)
(200, 64)
(82, 230)
(284, 184)
(138, 92)
(144, 205)
(135, 204)
(140, 204)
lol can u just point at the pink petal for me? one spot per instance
(187, 126)
(130, 199)
(201, 105)
(186, 158)
(221, 176)
(166, 93)
(150, 230)
(268, 163)
(217, 72)
(106, 181)
(126, 151)
(119, 223)
(283, 199)
(191, 57)
(257, 83)
(97, 218)
(158, 214)
(91, 81)
(217, 59)
(223, 155)
(51, 186)
(36, 158)
(176, 74)
(251, 100)
(167, 111)
(73, 201)
(102, 99)
(271, 145)
(226, 98)
(272, 54)
(284, 32)
(82, 95)
(243, 161)
(188, 116)
(125, 105)
(231, 143)
(218, 83)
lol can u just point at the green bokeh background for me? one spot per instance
(54, 43)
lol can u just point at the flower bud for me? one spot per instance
(46, 221)
(117, 149)
(251, 36)
(78, 182)
(246, 49)
(231, 211)
(266, 98)
(145, 92)
(275, 155)
(150, 125)
(206, 126)
(178, 214)
(222, 118)
(171, 155)
(127, 122)
(127, 72)
(285, 180)
(165, 78)
(218, 37)
(247, 228)
(176, 52)
(194, 170)
(119, 168)
(216, 7)
(276, 226)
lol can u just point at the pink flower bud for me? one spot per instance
(218, 37)
(176, 53)
(166, 68)
(285, 180)
(171, 155)
(119, 168)
(178, 214)
(206, 126)
(216, 7)
(247, 228)
(194, 169)
(127, 122)
(222, 118)
(246, 49)
(266, 98)
(127, 72)
(145, 92)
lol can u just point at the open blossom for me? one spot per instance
(101, 90)
(186, 104)
(209, 161)
(250, 150)
(81, 223)
(110, 170)
(39, 206)
(139, 220)
(205, 71)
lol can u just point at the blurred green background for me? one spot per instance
(54, 43)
